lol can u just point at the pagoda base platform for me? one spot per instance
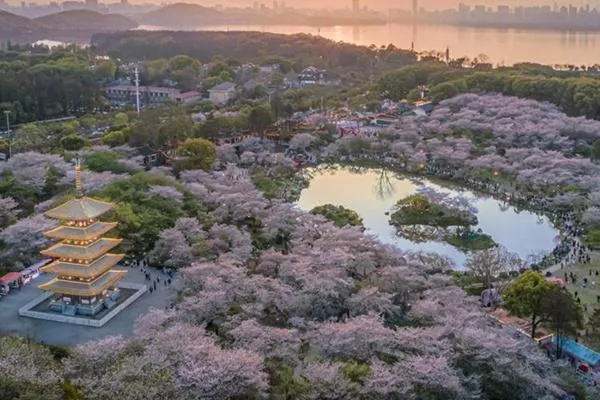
(44, 308)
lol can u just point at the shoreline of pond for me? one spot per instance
(483, 190)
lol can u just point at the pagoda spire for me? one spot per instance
(78, 186)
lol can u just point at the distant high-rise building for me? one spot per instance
(124, 2)
(91, 3)
(355, 6)
(415, 8)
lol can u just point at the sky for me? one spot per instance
(373, 4)
(405, 4)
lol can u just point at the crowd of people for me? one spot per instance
(153, 276)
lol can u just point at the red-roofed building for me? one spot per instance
(12, 280)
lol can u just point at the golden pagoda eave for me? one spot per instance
(87, 253)
(80, 209)
(96, 268)
(93, 231)
(84, 289)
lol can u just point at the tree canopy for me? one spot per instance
(199, 153)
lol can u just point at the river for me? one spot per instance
(502, 46)
(372, 194)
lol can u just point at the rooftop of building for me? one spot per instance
(225, 86)
(10, 277)
(578, 350)
(145, 89)
(96, 268)
(95, 230)
(74, 288)
(79, 209)
(88, 253)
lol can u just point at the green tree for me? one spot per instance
(175, 129)
(595, 151)
(199, 153)
(88, 122)
(72, 142)
(100, 161)
(592, 330)
(260, 118)
(105, 70)
(146, 130)
(526, 298)
(4, 146)
(121, 119)
(183, 61)
(356, 372)
(446, 90)
(285, 383)
(31, 137)
(565, 316)
(339, 215)
(51, 182)
(115, 138)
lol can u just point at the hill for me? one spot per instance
(11, 24)
(86, 20)
(182, 14)
(258, 47)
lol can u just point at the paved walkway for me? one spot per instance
(66, 334)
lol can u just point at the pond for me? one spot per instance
(373, 192)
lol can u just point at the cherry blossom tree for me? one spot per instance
(166, 192)
(591, 216)
(326, 381)
(28, 362)
(493, 264)
(30, 168)
(268, 341)
(24, 239)
(224, 238)
(175, 247)
(301, 141)
(166, 366)
(8, 210)
(171, 250)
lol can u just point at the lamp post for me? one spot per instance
(7, 113)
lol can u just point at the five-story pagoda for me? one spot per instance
(86, 281)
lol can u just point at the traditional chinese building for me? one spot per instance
(85, 282)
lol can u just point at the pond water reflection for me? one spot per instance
(373, 192)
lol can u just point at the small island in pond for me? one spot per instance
(339, 215)
(432, 215)
(417, 209)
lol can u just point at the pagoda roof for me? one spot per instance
(96, 268)
(79, 209)
(95, 230)
(88, 253)
(94, 288)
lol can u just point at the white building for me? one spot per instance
(222, 93)
(149, 95)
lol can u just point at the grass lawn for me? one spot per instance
(588, 294)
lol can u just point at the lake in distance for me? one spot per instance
(523, 233)
(502, 46)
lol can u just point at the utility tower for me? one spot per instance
(8, 135)
(137, 90)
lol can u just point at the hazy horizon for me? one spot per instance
(372, 4)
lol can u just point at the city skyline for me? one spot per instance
(382, 5)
